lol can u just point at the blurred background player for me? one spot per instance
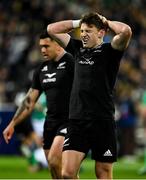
(38, 119)
(30, 141)
(38, 115)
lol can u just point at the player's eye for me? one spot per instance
(44, 46)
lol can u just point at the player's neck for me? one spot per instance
(99, 43)
(60, 54)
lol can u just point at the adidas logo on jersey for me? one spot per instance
(107, 153)
(45, 68)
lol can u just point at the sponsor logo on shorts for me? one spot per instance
(107, 153)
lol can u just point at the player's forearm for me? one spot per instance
(23, 111)
(122, 36)
(60, 27)
(119, 27)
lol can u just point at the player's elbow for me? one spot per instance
(127, 32)
(49, 29)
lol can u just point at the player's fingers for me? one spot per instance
(6, 137)
(102, 18)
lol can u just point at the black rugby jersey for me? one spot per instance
(95, 75)
(55, 79)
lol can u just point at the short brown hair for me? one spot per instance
(93, 18)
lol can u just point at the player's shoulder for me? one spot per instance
(41, 66)
(106, 45)
(76, 42)
(68, 57)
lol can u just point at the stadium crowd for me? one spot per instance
(22, 21)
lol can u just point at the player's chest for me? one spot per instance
(53, 75)
(91, 64)
(90, 59)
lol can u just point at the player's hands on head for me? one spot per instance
(104, 20)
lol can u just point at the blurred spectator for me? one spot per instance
(142, 117)
(2, 92)
(126, 124)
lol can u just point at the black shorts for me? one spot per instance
(99, 137)
(50, 131)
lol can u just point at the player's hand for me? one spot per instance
(104, 20)
(8, 133)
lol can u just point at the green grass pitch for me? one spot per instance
(15, 167)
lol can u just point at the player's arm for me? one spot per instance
(122, 32)
(61, 29)
(23, 111)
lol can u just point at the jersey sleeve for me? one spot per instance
(71, 63)
(36, 81)
(116, 54)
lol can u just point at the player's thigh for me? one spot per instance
(46, 151)
(57, 146)
(71, 161)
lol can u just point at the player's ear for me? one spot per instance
(101, 33)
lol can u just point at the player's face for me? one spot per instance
(89, 35)
(48, 48)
